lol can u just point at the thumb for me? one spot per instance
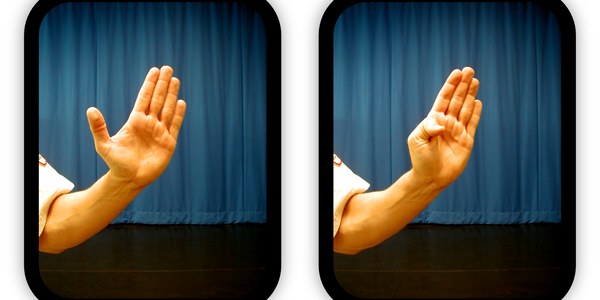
(428, 129)
(97, 126)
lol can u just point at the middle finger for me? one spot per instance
(459, 94)
(160, 91)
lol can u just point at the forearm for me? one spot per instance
(371, 218)
(75, 217)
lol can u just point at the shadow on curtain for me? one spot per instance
(390, 61)
(97, 54)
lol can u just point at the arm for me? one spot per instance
(439, 147)
(75, 217)
(371, 218)
(136, 156)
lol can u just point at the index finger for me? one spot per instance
(445, 95)
(146, 91)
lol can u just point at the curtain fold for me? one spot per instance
(97, 54)
(390, 61)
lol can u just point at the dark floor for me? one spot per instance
(428, 261)
(128, 261)
(230, 261)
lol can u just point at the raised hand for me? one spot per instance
(441, 144)
(143, 147)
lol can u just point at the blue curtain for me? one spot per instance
(97, 54)
(391, 59)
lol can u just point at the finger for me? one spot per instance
(160, 91)
(467, 109)
(97, 126)
(445, 95)
(461, 91)
(177, 119)
(474, 120)
(146, 91)
(169, 108)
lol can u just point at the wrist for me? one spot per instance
(424, 182)
(122, 183)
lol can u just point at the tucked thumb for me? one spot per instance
(428, 129)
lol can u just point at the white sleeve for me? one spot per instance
(345, 185)
(51, 185)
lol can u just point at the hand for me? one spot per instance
(143, 147)
(441, 144)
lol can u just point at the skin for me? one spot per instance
(136, 155)
(439, 149)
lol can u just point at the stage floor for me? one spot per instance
(129, 261)
(230, 261)
(429, 261)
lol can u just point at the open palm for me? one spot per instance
(141, 150)
(441, 144)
